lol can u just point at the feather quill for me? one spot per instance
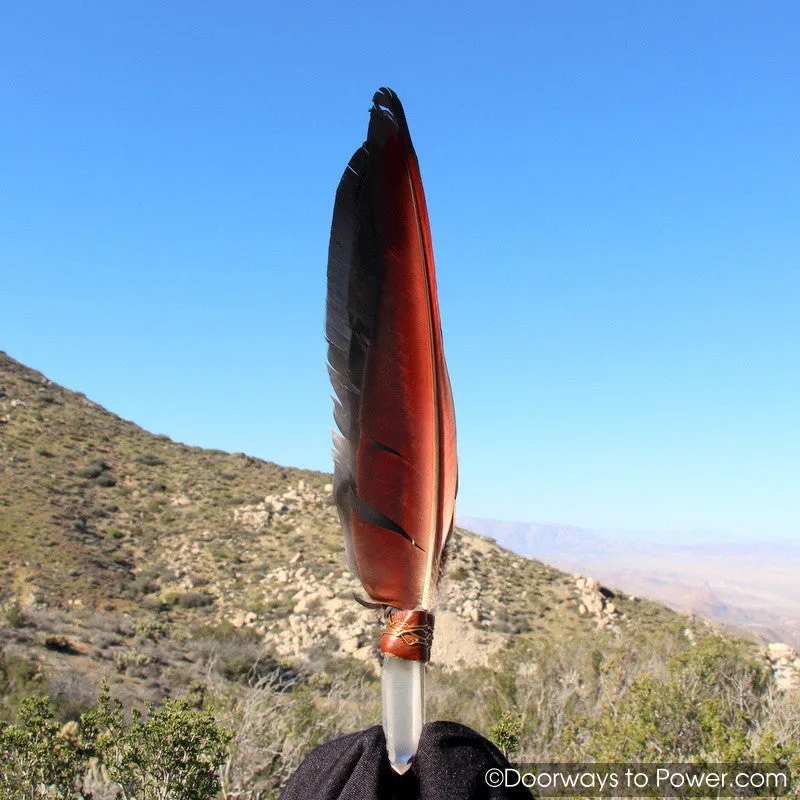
(395, 469)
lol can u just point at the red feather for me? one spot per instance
(395, 461)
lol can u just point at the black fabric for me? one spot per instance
(450, 764)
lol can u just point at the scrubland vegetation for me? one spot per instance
(678, 701)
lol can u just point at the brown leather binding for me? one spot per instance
(409, 635)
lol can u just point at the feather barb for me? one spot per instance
(395, 457)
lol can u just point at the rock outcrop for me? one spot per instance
(596, 601)
(784, 663)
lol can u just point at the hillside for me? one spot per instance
(97, 513)
(169, 570)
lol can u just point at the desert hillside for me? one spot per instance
(165, 570)
(100, 516)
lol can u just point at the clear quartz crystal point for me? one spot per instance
(403, 695)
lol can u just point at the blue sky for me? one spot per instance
(614, 191)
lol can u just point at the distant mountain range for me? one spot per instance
(746, 584)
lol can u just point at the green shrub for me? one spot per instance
(173, 752)
(225, 632)
(151, 603)
(348, 669)
(39, 758)
(144, 584)
(703, 708)
(149, 628)
(148, 459)
(93, 470)
(506, 732)
(19, 677)
(194, 600)
(15, 616)
(223, 552)
(131, 659)
(244, 667)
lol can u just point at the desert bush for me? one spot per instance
(705, 705)
(19, 677)
(15, 616)
(148, 459)
(245, 667)
(71, 694)
(151, 603)
(49, 619)
(93, 470)
(104, 639)
(506, 732)
(224, 631)
(278, 723)
(55, 642)
(223, 552)
(36, 758)
(504, 623)
(194, 600)
(171, 752)
(776, 733)
(464, 696)
(126, 660)
(145, 585)
(348, 669)
(149, 628)
(236, 654)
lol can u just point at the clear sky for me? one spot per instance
(614, 191)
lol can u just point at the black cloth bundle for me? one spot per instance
(451, 764)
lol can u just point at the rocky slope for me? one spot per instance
(131, 558)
